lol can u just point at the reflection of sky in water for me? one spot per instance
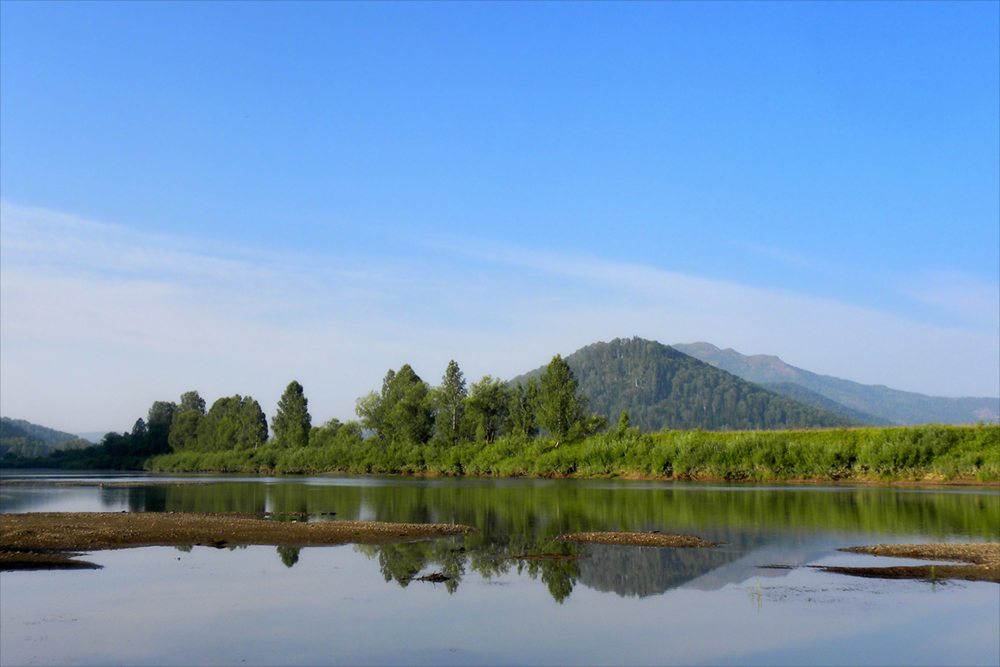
(164, 606)
(345, 605)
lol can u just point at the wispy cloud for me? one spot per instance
(98, 320)
(957, 293)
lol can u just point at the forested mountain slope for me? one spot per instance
(797, 392)
(18, 436)
(899, 407)
(661, 388)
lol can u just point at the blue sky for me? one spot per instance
(229, 196)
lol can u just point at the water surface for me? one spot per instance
(611, 605)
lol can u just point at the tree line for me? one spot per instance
(407, 411)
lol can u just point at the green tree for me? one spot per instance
(252, 431)
(558, 406)
(292, 423)
(449, 402)
(523, 409)
(161, 413)
(139, 434)
(191, 400)
(409, 415)
(489, 407)
(185, 421)
(184, 430)
(623, 424)
(402, 412)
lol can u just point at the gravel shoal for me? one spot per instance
(40, 536)
(638, 539)
(979, 562)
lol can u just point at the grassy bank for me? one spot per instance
(934, 452)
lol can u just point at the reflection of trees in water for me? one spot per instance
(289, 555)
(404, 562)
(517, 517)
(623, 570)
(573, 505)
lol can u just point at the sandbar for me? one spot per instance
(977, 562)
(45, 537)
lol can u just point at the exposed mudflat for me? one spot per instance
(652, 539)
(49, 539)
(979, 562)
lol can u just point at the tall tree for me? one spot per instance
(185, 421)
(161, 413)
(524, 408)
(409, 414)
(292, 423)
(184, 430)
(191, 400)
(489, 407)
(449, 401)
(402, 412)
(252, 432)
(558, 407)
(233, 422)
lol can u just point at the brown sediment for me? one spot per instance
(49, 537)
(979, 562)
(652, 539)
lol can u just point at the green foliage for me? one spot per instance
(191, 400)
(232, 423)
(158, 421)
(559, 409)
(184, 430)
(22, 439)
(449, 404)
(524, 409)
(292, 422)
(402, 412)
(489, 408)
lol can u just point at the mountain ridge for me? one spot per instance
(897, 406)
(662, 388)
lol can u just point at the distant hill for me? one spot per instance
(898, 407)
(22, 438)
(661, 388)
(799, 393)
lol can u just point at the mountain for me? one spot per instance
(661, 388)
(20, 437)
(797, 392)
(899, 407)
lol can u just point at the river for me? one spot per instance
(582, 604)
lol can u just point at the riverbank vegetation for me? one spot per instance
(541, 428)
(929, 453)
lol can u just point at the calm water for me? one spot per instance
(613, 605)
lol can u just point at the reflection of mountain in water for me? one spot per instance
(791, 549)
(646, 571)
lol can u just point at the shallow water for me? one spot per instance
(613, 605)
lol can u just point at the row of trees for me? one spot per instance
(232, 423)
(407, 411)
